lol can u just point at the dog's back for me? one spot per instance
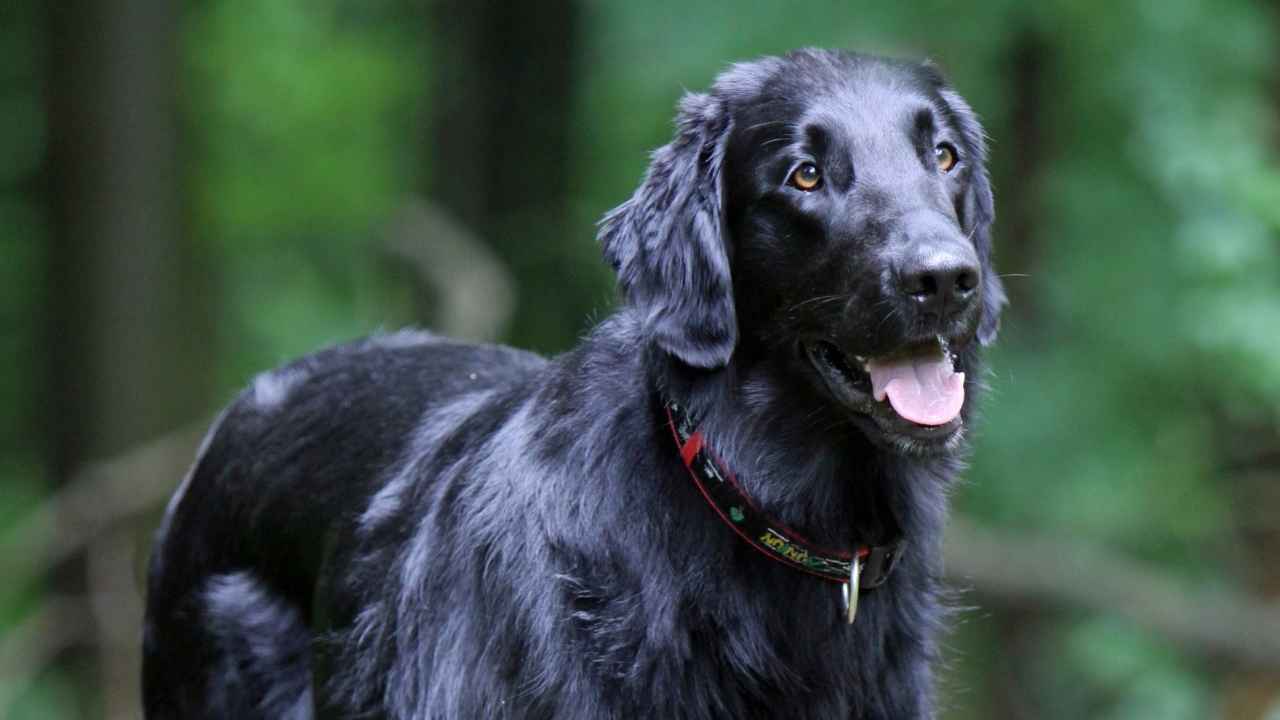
(287, 469)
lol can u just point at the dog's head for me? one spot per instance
(828, 213)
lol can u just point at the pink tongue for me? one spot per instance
(926, 391)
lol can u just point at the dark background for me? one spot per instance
(193, 192)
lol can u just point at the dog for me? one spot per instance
(726, 502)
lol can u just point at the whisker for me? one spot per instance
(816, 300)
(893, 310)
(767, 123)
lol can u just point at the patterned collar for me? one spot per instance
(864, 568)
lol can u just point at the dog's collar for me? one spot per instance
(864, 568)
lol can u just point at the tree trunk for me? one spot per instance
(121, 361)
(500, 151)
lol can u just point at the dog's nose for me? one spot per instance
(939, 281)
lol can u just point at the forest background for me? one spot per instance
(191, 193)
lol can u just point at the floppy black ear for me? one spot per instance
(978, 214)
(667, 243)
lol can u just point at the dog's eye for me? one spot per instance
(945, 154)
(807, 177)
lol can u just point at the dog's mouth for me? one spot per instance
(914, 396)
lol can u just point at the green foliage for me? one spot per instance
(296, 116)
(47, 698)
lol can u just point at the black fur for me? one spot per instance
(411, 527)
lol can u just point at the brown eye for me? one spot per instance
(945, 154)
(807, 177)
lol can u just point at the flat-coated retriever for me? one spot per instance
(676, 519)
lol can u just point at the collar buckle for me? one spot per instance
(851, 589)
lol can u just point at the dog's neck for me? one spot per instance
(799, 461)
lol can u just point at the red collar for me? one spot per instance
(771, 538)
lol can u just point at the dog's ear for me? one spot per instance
(668, 242)
(978, 214)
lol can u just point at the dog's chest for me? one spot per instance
(779, 654)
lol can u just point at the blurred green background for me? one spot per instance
(193, 192)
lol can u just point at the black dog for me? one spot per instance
(410, 527)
